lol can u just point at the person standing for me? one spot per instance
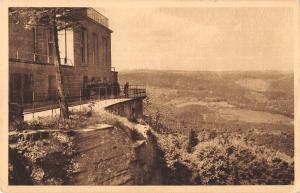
(126, 86)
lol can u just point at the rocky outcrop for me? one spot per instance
(121, 152)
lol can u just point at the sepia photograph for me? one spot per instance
(151, 95)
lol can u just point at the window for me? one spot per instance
(36, 56)
(27, 88)
(52, 87)
(34, 40)
(95, 49)
(66, 47)
(15, 88)
(51, 48)
(21, 88)
(63, 80)
(83, 45)
(105, 57)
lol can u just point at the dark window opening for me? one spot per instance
(52, 87)
(28, 88)
(105, 57)
(15, 84)
(95, 49)
(36, 56)
(85, 88)
(21, 88)
(83, 45)
(34, 40)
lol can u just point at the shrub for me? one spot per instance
(193, 140)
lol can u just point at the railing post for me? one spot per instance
(114, 92)
(111, 91)
(33, 106)
(34, 57)
(80, 100)
(57, 99)
(52, 108)
(17, 54)
(100, 92)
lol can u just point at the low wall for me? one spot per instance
(131, 109)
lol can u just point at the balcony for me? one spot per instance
(16, 55)
(97, 17)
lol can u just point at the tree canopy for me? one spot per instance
(61, 17)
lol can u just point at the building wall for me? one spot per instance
(23, 40)
(100, 70)
(40, 74)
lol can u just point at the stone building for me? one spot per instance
(85, 56)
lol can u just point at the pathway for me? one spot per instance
(28, 116)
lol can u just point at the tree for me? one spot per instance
(55, 19)
(193, 140)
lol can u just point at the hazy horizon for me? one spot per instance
(175, 70)
(213, 39)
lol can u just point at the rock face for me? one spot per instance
(112, 155)
(121, 153)
(125, 154)
(103, 157)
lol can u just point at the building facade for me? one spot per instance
(85, 55)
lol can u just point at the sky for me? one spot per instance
(173, 38)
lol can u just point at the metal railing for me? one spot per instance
(134, 91)
(15, 54)
(98, 17)
(78, 96)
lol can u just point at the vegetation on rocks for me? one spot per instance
(41, 151)
(41, 160)
(223, 160)
(242, 123)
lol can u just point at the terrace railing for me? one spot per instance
(134, 91)
(79, 96)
